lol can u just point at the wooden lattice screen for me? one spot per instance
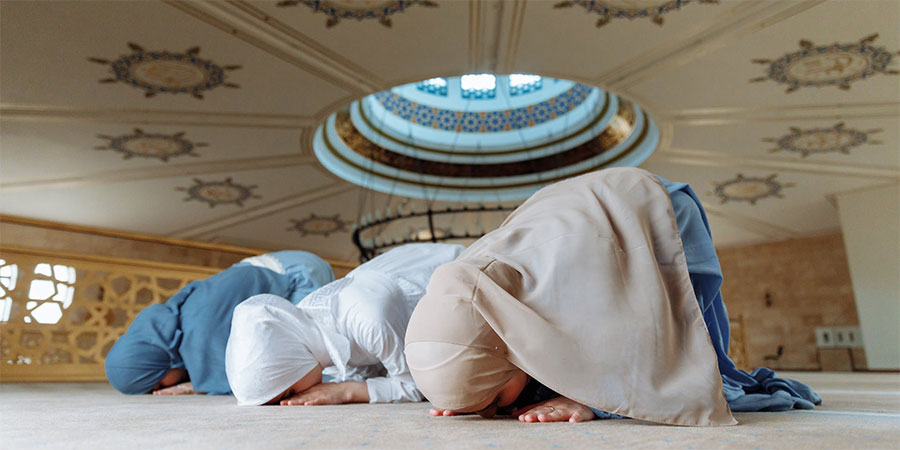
(61, 312)
(737, 347)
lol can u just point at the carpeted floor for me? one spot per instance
(861, 410)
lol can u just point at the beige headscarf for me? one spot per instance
(584, 287)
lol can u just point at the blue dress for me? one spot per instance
(191, 329)
(759, 390)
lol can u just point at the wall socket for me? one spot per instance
(838, 337)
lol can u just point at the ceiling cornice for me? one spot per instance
(165, 171)
(250, 24)
(751, 224)
(708, 158)
(729, 115)
(154, 117)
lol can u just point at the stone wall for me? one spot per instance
(783, 291)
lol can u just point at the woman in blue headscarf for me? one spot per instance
(179, 347)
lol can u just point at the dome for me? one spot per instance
(482, 137)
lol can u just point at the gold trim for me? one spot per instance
(138, 237)
(122, 262)
(593, 122)
(624, 153)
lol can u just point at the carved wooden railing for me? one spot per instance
(737, 347)
(61, 312)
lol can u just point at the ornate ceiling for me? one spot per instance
(199, 119)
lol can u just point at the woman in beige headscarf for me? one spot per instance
(581, 304)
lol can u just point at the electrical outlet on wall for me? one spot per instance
(841, 337)
(824, 337)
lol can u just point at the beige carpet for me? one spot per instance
(860, 411)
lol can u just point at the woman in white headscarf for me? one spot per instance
(351, 330)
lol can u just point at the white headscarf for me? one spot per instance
(272, 345)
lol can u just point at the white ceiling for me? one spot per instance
(692, 73)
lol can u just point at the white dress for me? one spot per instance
(363, 318)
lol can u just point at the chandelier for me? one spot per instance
(456, 154)
(375, 234)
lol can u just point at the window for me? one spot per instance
(436, 86)
(50, 294)
(9, 273)
(523, 84)
(478, 86)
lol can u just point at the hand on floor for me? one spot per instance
(331, 394)
(559, 409)
(185, 388)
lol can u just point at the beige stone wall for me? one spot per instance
(808, 285)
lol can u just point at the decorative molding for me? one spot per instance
(170, 171)
(154, 117)
(106, 232)
(167, 72)
(749, 189)
(751, 224)
(735, 23)
(706, 158)
(732, 115)
(215, 193)
(381, 12)
(150, 145)
(195, 231)
(515, 34)
(828, 65)
(609, 10)
(250, 24)
(319, 225)
(835, 139)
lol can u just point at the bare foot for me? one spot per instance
(441, 412)
(559, 409)
(185, 388)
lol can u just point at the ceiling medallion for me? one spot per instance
(358, 9)
(628, 9)
(836, 139)
(750, 189)
(828, 65)
(164, 71)
(150, 145)
(219, 192)
(320, 225)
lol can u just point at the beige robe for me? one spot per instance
(584, 287)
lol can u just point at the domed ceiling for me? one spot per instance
(492, 141)
(281, 124)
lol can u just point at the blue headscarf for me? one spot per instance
(155, 337)
(191, 330)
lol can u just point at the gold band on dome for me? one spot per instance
(625, 153)
(592, 123)
(619, 128)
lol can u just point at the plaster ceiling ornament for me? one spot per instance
(319, 225)
(360, 10)
(750, 189)
(167, 72)
(219, 192)
(835, 139)
(829, 65)
(628, 9)
(151, 145)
